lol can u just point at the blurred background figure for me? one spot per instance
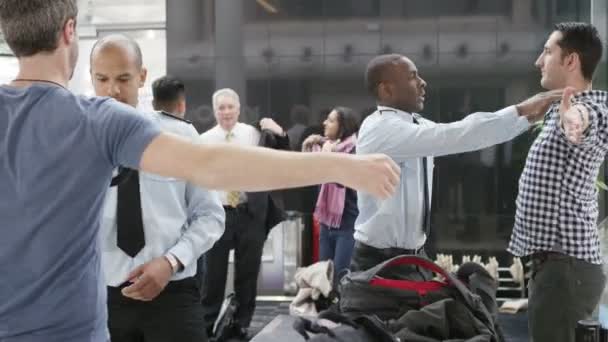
(249, 217)
(169, 96)
(300, 118)
(202, 118)
(336, 207)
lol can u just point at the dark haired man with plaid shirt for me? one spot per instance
(557, 210)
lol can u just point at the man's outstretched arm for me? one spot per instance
(402, 140)
(229, 167)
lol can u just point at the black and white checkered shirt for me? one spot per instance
(557, 206)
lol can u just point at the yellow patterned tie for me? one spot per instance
(233, 196)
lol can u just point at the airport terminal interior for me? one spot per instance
(297, 61)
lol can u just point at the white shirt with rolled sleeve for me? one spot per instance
(179, 218)
(397, 221)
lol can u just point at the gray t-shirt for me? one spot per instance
(57, 152)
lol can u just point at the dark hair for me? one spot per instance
(34, 26)
(378, 70)
(584, 40)
(166, 91)
(348, 122)
(300, 114)
(119, 40)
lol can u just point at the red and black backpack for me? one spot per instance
(367, 292)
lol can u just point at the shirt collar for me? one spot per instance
(586, 96)
(225, 132)
(595, 95)
(401, 113)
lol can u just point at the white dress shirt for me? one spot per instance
(241, 134)
(178, 217)
(397, 221)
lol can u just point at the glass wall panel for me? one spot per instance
(599, 18)
(101, 12)
(9, 65)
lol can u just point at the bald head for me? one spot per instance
(118, 41)
(116, 69)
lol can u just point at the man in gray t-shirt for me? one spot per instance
(57, 152)
(56, 165)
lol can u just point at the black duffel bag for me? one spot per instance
(368, 293)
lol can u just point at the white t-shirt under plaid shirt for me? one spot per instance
(557, 206)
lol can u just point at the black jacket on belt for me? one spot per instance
(266, 206)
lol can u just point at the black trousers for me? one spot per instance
(246, 237)
(175, 315)
(366, 257)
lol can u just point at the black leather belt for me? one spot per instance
(546, 255)
(539, 258)
(239, 207)
(387, 252)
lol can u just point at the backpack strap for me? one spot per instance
(304, 326)
(372, 277)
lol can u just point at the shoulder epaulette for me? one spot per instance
(174, 117)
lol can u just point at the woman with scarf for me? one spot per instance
(336, 208)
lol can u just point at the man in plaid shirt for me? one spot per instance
(557, 209)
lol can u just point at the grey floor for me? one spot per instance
(515, 327)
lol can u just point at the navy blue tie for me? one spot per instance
(426, 206)
(130, 228)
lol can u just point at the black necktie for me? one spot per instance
(426, 206)
(130, 228)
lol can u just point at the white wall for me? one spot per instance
(8, 69)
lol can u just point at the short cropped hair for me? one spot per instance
(584, 40)
(34, 26)
(379, 70)
(167, 91)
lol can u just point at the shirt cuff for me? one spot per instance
(183, 254)
(522, 122)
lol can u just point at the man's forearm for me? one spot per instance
(483, 130)
(266, 169)
(229, 167)
(206, 222)
(197, 239)
(474, 132)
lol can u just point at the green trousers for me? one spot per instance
(563, 290)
